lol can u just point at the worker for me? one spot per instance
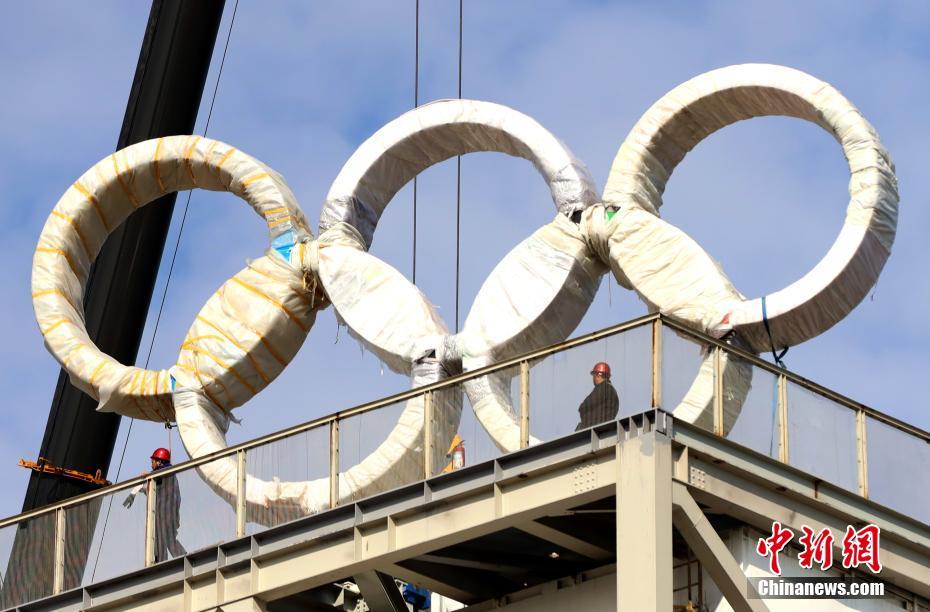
(167, 508)
(602, 404)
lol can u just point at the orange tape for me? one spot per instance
(57, 292)
(248, 355)
(123, 185)
(77, 230)
(274, 353)
(189, 344)
(97, 371)
(63, 253)
(224, 158)
(270, 299)
(49, 329)
(93, 200)
(161, 185)
(252, 179)
(187, 158)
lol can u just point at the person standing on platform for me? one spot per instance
(167, 509)
(603, 403)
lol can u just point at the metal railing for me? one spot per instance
(69, 539)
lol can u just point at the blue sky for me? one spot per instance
(305, 83)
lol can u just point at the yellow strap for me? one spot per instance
(77, 349)
(97, 370)
(165, 397)
(248, 355)
(49, 329)
(265, 342)
(138, 377)
(203, 386)
(302, 297)
(189, 345)
(161, 185)
(187, 158)
(253, 178)
(63, 253)
(224, 158)
(93, 200)
(77, 230)
(270, 299)
(57, 292)
(209, 152)
(123, 184)
(279, 221)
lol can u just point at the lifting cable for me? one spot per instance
(416, 103)
(164, 293)
(458, 189)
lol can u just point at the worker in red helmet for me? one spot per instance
(603, 403)
(167, 508)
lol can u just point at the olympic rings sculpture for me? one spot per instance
(251, 328)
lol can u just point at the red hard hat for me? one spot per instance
(162, 453)
(601, 368)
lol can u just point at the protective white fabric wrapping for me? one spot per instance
(397, 461)
(251, 328)
(247, 332)
(669, 271)
(683, 283)
(534, 297)
(381, 308)
(95, 205)
(438, 131)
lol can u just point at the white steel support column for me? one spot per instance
(644, 523)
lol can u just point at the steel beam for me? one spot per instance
(758, 490)
(713, 553)
(569, 542)
(644, 523)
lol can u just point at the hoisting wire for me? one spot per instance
(164, 294)
(416, 103)
(458, 190)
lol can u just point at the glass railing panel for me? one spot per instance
(687, 378)
(191, 514)
(294, 471)
(477, 444)
(447, 441)
(29, 551)
(381, 449)
(822, 437)
(750, 405)
(565, 396)
(7, 537)
(898, 469)
(104, 537)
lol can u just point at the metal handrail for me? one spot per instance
(830, 394)
(344, 414)
(524, 362)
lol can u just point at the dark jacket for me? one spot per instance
(601, 405)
